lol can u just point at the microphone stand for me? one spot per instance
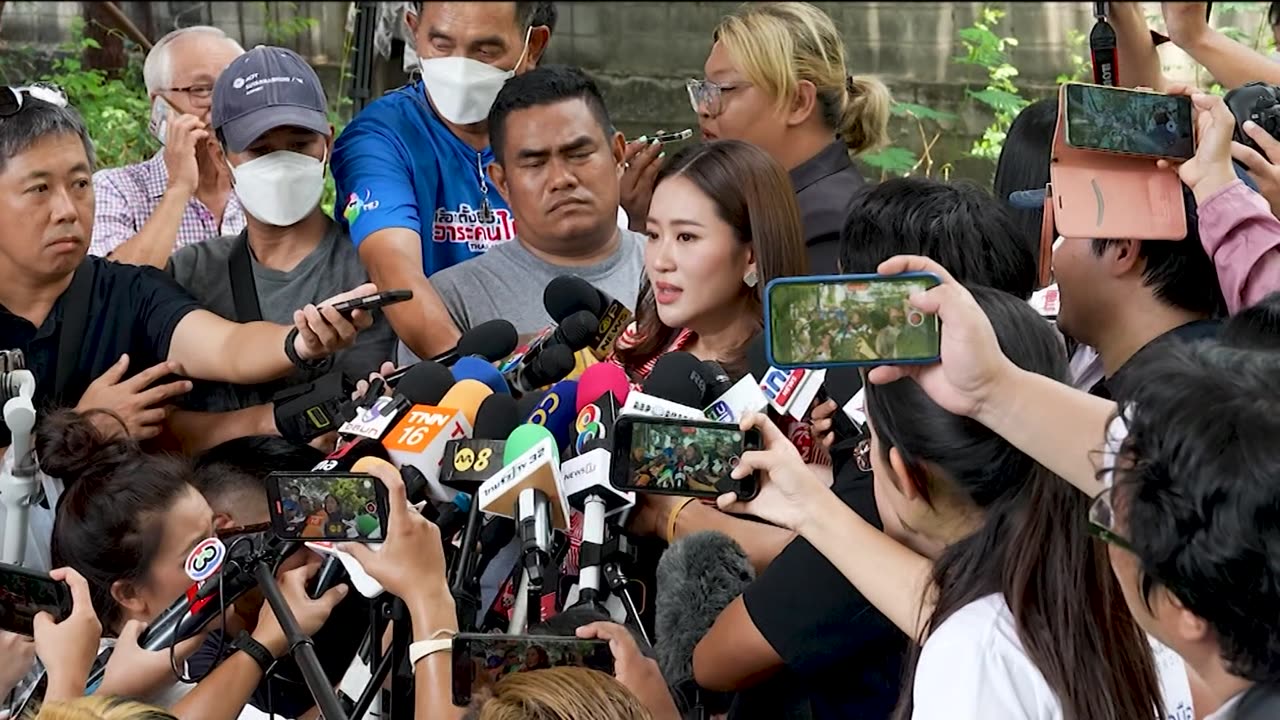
(300, 646)
(607, 560)
(19, 485)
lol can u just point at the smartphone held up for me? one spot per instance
(1129, 122)
(327, 506)
(25, 594)
(672, 456)
(849, 320)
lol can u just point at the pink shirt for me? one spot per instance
(1241, 236)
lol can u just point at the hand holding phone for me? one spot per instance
(691, 458)
(334, 506)
(24, 594)
(67, 643)
(1129, 122)
(788, 492)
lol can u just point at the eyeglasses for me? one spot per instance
(13, 96)
(199, 92)
(862, 454)
(708, 96)
(1102, 521)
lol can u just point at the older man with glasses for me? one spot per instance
(182, 195)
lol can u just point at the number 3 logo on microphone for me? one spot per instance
(205, 559)
(549, 405)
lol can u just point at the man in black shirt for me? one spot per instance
(1128, 298)
(97, 334)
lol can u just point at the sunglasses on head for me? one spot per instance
(12, 97)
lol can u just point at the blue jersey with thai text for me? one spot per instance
(398, 165)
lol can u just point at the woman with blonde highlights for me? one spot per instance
(100, 708)
(562, 693)
(776, 77)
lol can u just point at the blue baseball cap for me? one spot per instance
(263, 89)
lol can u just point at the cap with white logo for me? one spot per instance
(264, 89)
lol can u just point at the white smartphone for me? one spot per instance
(159, 122)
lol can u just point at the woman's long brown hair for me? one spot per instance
(753, 195)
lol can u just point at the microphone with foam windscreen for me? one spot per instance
(728, 401)
(585, 475)
(474, 368)
(793, 392)
(490, 341)
(528, 490)
(698, 576)
(557, 411)
(603, 389)
(424, 384)
(543, 361)
(674, 389)
(569, 294)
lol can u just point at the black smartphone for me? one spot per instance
(372, 302)
(849, 320)
(25, 593)
(327, 506)
(1130, 122)
(480, 660)
(672, 456)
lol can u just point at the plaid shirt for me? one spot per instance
(125, 198)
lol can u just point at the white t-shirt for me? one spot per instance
(973, 667)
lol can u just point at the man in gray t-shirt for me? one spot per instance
(557, 162)
(276, 138)
(205, 270)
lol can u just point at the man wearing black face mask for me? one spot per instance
(269, 116)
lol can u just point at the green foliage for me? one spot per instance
(985, 48)
(1081, 67)
(282, 31)
(115, 109)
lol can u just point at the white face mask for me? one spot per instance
(463, 90)
(280, 188)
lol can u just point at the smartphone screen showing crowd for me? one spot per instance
(348, 507)
(482, 660)
(1129, 122)
(25, 594)
(681, 457)
(840, 320)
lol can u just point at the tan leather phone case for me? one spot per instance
(1106, 195)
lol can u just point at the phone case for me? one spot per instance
(619, 471)
(60, 609)
(1108, 195)
(804, 280)
(1048, 234)
(279, 526)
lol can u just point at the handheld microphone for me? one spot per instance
(466, 397)
(531, 372)
(730, 401)
(495, 420)
(698, 576)
(556, 412)
(474, 368)
(528, 370)
(568, 294)
(424, 384)
(789, 392)
(602, 391)
(491, 340)
(671, 390)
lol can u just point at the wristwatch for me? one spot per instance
(245, 643)
(292, 353)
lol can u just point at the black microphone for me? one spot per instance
(677, 377)
(842, 425)
(423, 383)
(717, 380)
(550, 364)
(569, 294)
(497, 417)
(492, 340)
(698, 576)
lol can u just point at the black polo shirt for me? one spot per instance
(1131, 372)
(844, 657)
(131, 310)
(824, 185)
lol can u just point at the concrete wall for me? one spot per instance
(642, 52)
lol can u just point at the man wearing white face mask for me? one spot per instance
(269, 115)
(410, 168)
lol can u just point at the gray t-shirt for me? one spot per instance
(508, 281)
(332, 268)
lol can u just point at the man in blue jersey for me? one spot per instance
(410, 169)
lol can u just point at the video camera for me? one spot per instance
(1259, 102)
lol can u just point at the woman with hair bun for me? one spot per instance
(127, 523)
(776, 77)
